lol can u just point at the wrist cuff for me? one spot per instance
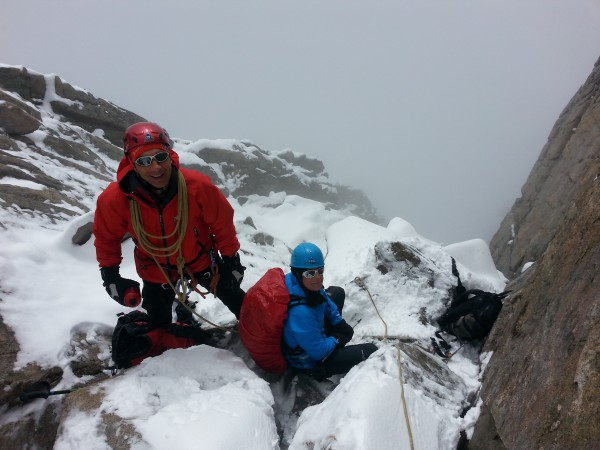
(109, 274)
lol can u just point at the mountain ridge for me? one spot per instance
(74, 135)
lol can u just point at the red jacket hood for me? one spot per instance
(126, 166)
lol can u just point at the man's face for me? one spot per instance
(315, 283)
(157, 174)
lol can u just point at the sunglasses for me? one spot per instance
(313, 272)
(145, 161)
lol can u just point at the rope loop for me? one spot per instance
(144, 238)
(144, 241)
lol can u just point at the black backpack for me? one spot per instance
(130, 339)
(472, 313)
(135, 338)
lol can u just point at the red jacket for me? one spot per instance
(209, 212)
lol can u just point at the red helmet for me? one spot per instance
(145, 134)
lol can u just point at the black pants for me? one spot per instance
(159, 298)
(342, 360)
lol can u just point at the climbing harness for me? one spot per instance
(362, 285)
(143, 240)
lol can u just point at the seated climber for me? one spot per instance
(315, 334)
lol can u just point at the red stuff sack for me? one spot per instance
(135, 339)
(264, 310)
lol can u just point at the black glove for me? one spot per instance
(232, 271)
(122, 290)
(342, 332)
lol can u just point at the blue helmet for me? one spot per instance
(307, 256)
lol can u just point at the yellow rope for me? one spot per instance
(361, 284)
(401, 376)
(179, 230)
(175, 248)
(359, 281)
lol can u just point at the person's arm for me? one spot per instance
(109, 228)
(343, 332)
(332, 315)
(308, 334)
(218, 216)
(340, 329)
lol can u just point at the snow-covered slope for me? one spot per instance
(396, 282)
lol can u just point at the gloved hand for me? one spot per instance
(342, 332)
(122, 290)
(232, 271)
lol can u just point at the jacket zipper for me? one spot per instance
(163, 232)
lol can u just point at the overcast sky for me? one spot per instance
(436, 109)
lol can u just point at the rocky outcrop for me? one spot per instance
(570, 158)
(50, 133)
(17, 117)
(541, 388)
(76, 106)
(258, 172)
(36, 425)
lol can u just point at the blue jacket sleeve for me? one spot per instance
(332, 315)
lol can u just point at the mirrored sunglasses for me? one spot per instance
(313, 272)
(145, 161)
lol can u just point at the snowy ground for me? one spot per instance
(211, 397)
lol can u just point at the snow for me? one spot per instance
(23, 183)
(368, 409)
(526, 266)
(209, 398)
(199, 397)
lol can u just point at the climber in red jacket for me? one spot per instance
(181, 224)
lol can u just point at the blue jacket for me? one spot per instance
(305, 342)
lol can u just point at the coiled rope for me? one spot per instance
(144, 241)
(362, 285)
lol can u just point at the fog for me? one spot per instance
(437, 110)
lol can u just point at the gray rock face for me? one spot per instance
(38, 428)
(570, 158)
(258, 172)
(541, 388)
(77, 149)
(17, 117)
(75, 106)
